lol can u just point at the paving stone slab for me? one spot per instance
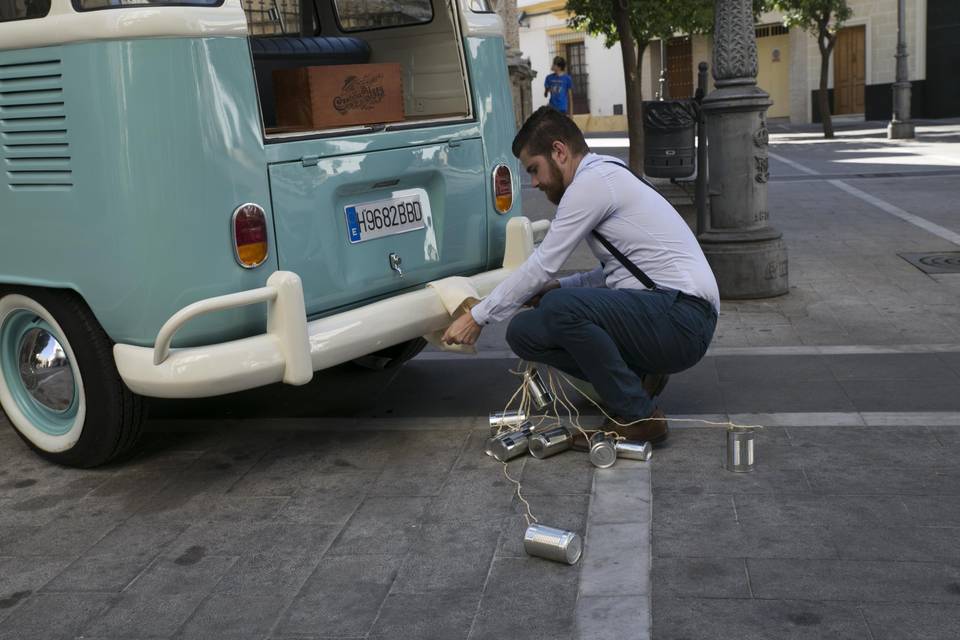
(485, 494)
(99, 574)
(566, 473)
(250, 538)
(915, 621)
(143, 615)
(443, 615)
(53, 616)
(737, 540)
(612, 618)
(388, 526)
(616, 560)
(341, 598)
(700, 577)
(701, 511)
(797, 396)
(709, 619)
(621, 494)
(506, 610)
(897, 543)
(234, 616)
(21, 577)
(862, 581)
(714, 479)
(827, 510)
(913, 366)
(448, 556)
(903, 395)
(271, 573)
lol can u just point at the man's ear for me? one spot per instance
(560, 152)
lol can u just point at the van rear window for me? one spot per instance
(93, 5)
(365, 15)
(23, 9)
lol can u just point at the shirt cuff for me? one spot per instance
(480, 313)
(574, 280)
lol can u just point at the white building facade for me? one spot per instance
(862, 67)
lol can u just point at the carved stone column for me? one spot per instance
(747, 255)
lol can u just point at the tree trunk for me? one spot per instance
(621, 16)
(823, 97)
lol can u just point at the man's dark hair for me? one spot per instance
(545, 125)
(560, 63)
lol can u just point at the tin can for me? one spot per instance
(634, 450)
(550, 442)
(506, 420)
(508, 446)
(603, 450)
(539, 393)
(740, 450)
(552, 544)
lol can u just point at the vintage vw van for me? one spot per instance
(163, 234)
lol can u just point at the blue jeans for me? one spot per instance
(611, 337)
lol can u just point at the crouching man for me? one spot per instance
(649, 309)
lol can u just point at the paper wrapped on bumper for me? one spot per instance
(458, 296)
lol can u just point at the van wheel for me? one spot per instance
(59, 385)
(392, 357)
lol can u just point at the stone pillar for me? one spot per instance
(900, 126)
(521, 73)
(747, 255)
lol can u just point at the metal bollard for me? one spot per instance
(552, 544)
(740, 453)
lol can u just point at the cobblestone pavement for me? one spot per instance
(362, 506)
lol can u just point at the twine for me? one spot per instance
(560, 397)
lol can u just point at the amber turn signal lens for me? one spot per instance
(502, 188)
(250, 235)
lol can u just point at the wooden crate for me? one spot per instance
(333, 96)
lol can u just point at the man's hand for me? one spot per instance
(535, 300)
(463, 331)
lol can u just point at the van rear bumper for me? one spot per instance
(293, 348)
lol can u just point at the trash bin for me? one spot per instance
(669, 128)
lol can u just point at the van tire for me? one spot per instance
(104, 419)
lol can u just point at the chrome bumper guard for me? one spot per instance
(292, 348)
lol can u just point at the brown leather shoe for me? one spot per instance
(653, 383)
(654, 429)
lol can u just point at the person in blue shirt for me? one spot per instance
(559, 86)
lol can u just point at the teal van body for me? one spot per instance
(123, 161)
(162, 234)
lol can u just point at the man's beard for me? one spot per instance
(554, 189)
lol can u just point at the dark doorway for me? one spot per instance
(942, 90)
(679, 67)
(577, 68)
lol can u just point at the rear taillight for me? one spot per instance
(502, 188)
(250, 235)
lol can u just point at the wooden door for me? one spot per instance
(577, 68)
(679, 68)
(849, 70)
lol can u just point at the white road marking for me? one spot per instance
(791, 163)
(799, 350)
(883, 205)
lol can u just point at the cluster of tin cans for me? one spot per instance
(512, 435)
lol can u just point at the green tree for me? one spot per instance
(822, 19)
(634, 23)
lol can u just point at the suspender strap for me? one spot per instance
(622, 259)
(627, 264)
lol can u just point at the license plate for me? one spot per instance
(407, 210)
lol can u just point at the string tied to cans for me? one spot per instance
(517, 431)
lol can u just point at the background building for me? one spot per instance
(862, 67)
